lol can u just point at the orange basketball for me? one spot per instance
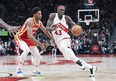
(76, 30)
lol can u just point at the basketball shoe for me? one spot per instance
(82, 66)
(19, 73)
(38, 74)
(93, 71)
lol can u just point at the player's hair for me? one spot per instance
(35, 9)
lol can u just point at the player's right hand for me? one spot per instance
(55, 27)
(43, 47)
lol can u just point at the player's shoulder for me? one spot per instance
(29, 21)
(40, 22)
(52, 15)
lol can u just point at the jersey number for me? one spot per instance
(58, 32)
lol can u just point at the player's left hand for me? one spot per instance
(43, 47)
(55, 27)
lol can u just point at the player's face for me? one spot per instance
(61, 11)
(38, 15)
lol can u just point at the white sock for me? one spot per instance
(36, 58)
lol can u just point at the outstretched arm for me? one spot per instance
(46, 32)
(50, 21)
(11, 29)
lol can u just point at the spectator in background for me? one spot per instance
(114, 47)
(105, 48)
(2, 50)
(102, 36)
(17, 13)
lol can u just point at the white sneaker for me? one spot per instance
(19, 73)
(93, 71)
(39, 74)
(82, 66)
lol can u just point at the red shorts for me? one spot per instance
(26, 40)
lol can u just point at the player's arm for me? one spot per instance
(11, 29)
(29, 24)
(50, 21)
(46, 32)
(70, 21)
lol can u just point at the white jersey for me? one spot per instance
(62, 31)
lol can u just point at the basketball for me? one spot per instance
(76, 30)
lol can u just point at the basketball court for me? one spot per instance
(55, 67)
(59, 69)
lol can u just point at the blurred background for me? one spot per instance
(98, 37)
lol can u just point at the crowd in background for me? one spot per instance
(15, 12)
(80, 46)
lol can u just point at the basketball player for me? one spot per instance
(11, 29)
(27, 42)
(58, 25)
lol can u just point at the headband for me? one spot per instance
(60, 7)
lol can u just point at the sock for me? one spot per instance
(36, 68)
(81, 62)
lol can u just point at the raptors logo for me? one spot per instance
(95, 48)
(90, 1)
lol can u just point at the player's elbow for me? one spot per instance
(29, 36)
(49, 29)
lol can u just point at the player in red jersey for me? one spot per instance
(27, 42)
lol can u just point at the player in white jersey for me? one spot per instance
(58, 25)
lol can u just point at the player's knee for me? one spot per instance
(37, 56)
(26, 50)
(62, 46)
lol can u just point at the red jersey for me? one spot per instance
(22, 34)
